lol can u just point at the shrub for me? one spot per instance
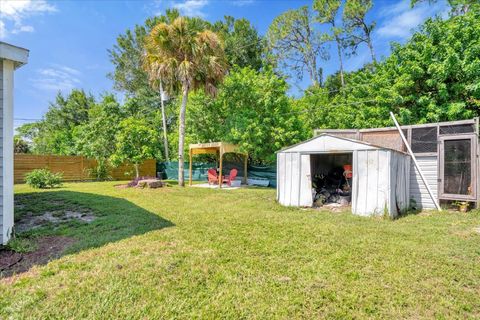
(43, 178)
(100, 172)
(22, 245)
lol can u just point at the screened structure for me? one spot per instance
(447, 153)
(378, 177)
(219, 149)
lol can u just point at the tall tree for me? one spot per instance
(433, 77)
(295, 43)
(251, 109)
(126, 56)
(358, 29)
(327, 11)
(187, 56)
(94, 138)
(55, 134)
(129, 76)
(135, 142)
(458, 7)
(243, 45)
(153, 70)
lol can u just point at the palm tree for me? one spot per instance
(186, 56)
(155, 78)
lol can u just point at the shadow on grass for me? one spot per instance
(113, 218)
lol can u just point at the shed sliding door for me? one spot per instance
(457, 167)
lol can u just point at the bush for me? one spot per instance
(22, 245)
(100, 173)
(43, 178)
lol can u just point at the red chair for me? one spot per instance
(231, 177)
(212, 176)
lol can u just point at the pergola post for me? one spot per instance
(190, 167)
(245, 169)
(218, 148)
(220, 173)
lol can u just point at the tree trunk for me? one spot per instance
(340, 59)
(313, 71)
(137, 172)
(181, 136)
(370, 46)
(164, 121)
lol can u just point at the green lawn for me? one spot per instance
(202, 253)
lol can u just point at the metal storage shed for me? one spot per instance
(380, 181)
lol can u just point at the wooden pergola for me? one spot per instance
(218, 148)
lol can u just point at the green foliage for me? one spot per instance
(127, 54)
(20, 145)
(243, 45)
(433, 77)
(327, 11)
(55, 134)
(357, 28)
(186, 56)
(172, 249)
(100, 172)
(43, 179)
(295, 44)
(135, 142)
(94, 138)
(251, 109)
(22, 245)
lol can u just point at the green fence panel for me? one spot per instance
(169, 170)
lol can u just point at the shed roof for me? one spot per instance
(329, 143)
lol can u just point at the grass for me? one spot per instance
(203, 253)
(22, 245)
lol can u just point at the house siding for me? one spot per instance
(1, 150)
(418, 191)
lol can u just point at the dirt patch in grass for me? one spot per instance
(48, 248)
(31, 221)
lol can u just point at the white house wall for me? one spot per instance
(6, 185)
(418, 191)
(2, 240)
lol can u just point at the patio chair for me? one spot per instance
(233, 174)
(212, 176)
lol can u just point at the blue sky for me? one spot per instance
(68, 40)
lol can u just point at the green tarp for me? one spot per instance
(169, 170)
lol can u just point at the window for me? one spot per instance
(424, 140)
(459, 128)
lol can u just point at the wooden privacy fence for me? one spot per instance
(74, 168)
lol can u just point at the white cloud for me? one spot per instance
(3, 30)
(17, 11)
(400, 19)
(242, 3)
(192, 8)
(57, 78)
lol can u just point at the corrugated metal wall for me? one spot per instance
(418, 191)
(288, 180)
(381, 182)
